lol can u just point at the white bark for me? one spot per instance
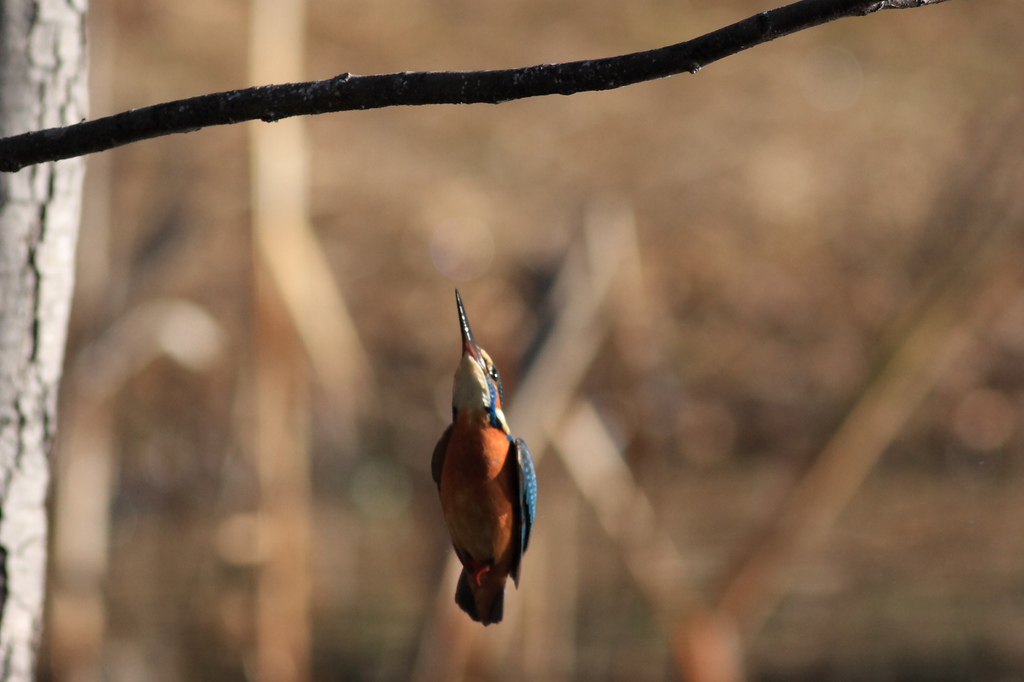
(42, 84)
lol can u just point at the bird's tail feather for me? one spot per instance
(466, 600)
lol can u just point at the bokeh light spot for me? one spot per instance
(381, 490)
(462, 248)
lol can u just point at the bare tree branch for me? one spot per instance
(347, 92)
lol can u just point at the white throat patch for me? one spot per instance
(471, 390)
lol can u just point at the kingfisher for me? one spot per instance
(487, 484)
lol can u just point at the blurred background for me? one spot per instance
(762, 327)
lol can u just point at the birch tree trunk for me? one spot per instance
(42, 84)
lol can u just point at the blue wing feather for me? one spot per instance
(527, 493)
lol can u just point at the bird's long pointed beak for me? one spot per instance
(468, 343)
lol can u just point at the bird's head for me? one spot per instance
(477, 383)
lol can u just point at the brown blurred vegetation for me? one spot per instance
(812, 219)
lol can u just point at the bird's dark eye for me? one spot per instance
(492, 371)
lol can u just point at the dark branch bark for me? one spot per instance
(348, 92)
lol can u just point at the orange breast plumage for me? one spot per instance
(476, 494)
